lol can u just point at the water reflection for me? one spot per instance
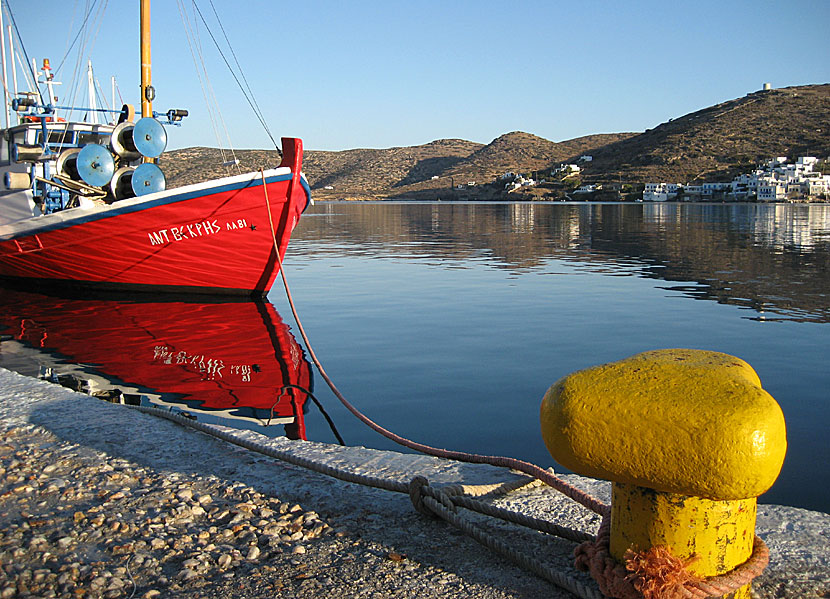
(772, 259)
(450, 320)
(232, 362)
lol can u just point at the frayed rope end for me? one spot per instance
(657, 574)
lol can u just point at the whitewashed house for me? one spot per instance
(567, 169)
(771, 191)
(818, 185)
(660, 192)
(776, 181)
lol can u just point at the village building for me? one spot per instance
(775, 181)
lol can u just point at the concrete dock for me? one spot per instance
(97, 500)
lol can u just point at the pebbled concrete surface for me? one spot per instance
(373, 544)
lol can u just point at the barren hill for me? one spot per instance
(715, 144)
(724, 140)
(522, 152)
(376, 172)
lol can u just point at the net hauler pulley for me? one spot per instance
(67, 164)
(131, 141)
(121, 185)
(95, 165)
(148, 178)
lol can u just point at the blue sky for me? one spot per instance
(384, 73)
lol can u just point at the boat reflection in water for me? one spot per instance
(233, 360)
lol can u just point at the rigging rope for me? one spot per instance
(211, 102)
(248, 97)
(88, 40)
(29, 68)
(77, 35)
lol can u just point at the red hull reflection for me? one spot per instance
(234, 360)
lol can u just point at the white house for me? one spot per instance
(660, 192)
(771, 191)
(568, 169)
(777, 180)
(708, 189)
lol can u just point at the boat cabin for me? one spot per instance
(34, 153)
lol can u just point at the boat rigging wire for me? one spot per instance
(84, 50)
(248, 97)
(81, 30)
(211, 102)
(29, 69)
(239, 66)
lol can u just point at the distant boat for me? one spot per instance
(85, 204)
(232, 360)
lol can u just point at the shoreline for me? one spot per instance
(102, 501)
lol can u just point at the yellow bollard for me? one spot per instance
(689, 439)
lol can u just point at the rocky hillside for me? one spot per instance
(721, 141)
(714, 144)
(522, 152)
(380, 172)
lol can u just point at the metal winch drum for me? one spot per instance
(95, 165)
(148, 178)
(121, 185)
(17, 180)
(67, 164)
(129, 182)
(147, 138)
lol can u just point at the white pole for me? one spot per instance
(11, 59)
(5, 81)
(25, 71)
(92, 115)
(50, 84)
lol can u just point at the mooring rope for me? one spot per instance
(631, 581)
(441, 502)
(533, 470)
(592, 554)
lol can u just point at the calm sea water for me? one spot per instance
(447, 322)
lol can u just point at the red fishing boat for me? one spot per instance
(236, 361)
(86, 204)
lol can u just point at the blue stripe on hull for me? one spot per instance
(168, 198)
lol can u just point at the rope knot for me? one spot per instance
(416, 494)
(419, 490)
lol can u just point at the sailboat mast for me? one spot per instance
(92, 113)
(147, 91)
(6, 99)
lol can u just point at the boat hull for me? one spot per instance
(210, 238)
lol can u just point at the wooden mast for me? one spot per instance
(147, 91)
